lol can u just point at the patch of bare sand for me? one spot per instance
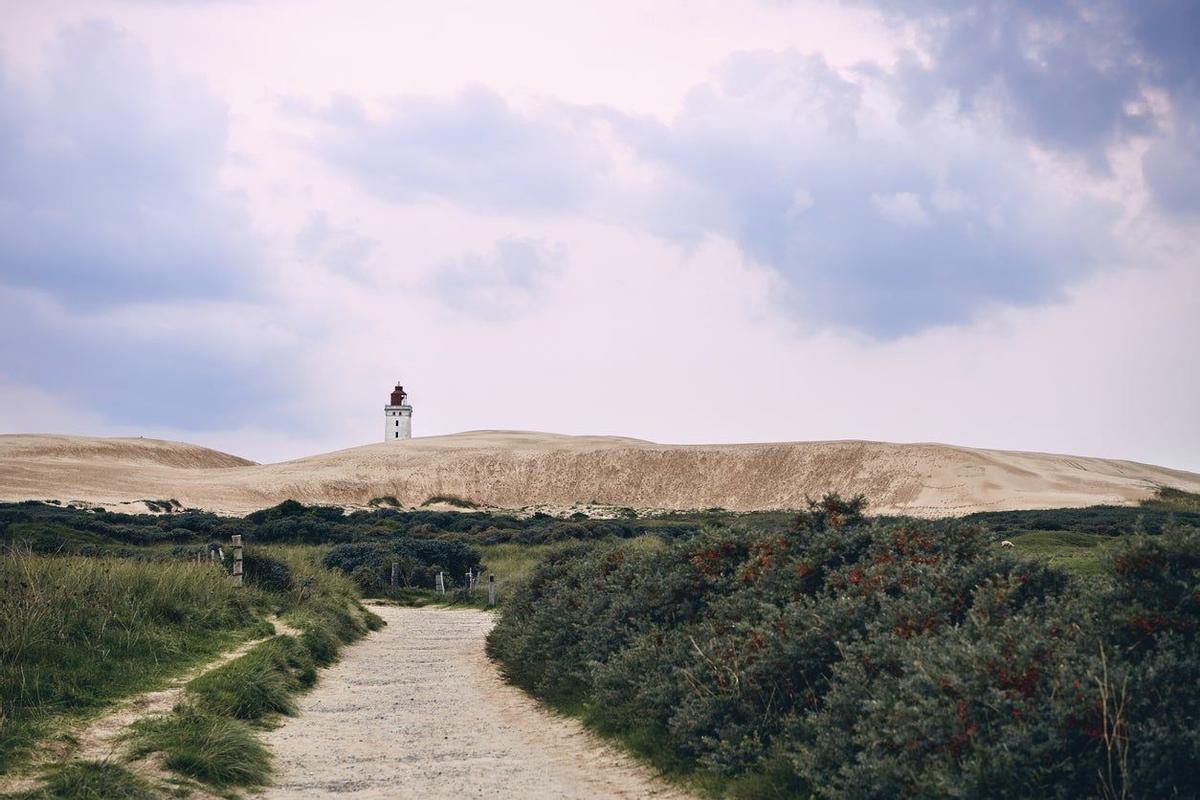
(418, 711)
(517, 469)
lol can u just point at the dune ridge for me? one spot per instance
(514, 469)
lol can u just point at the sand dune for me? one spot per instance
(513, 469)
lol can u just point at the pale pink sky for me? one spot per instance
(238, 224)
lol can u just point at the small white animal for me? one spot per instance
(1007, 543)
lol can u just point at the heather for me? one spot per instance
(848, 658)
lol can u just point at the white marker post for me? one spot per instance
(237, 559)
(491, 590)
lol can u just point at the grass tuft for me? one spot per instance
(212, 748)
(91, 780)
(258, 684)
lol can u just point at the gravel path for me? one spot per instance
(418, 711)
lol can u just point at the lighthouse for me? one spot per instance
(397, 416)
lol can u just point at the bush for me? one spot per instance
(370, 564)
(875, 660)
(262, 569)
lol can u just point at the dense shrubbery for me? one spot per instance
(370, 564)
(886, 660)
(50, 528)
(1101, 520)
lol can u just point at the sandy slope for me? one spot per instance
(418, 711)
(515, 469)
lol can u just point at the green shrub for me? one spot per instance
(896, 659)
(370, 564)
(262, 569)
(450, 500)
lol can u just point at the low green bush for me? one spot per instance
(899, 659)
(370, 563)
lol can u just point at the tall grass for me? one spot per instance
(91, 780)
(210, 737)
(77, 632)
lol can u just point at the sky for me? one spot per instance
(963, 221)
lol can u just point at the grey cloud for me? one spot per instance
(499, 284)
(472, 148)
(339, 249)
(886, 236)
(109, 179)
(109, 197)
(1070, 75)
(167, 379)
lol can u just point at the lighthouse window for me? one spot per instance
(397, 436)
(397, 423)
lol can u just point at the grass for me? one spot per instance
(91, 780)
(148, 620)
(1169, 499)
(77, 633)
(211, 737)
(258, 684)
(212, 748)
(1078, 553)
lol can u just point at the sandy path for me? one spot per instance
(418, 711)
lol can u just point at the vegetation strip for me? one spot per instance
(220, 710)
(850, 658)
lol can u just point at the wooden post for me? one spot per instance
(441, 584)
(237, 559)
(470, 581)
(395, 574)
(491, 590)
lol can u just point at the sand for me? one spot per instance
(515, 469)
(418, 711)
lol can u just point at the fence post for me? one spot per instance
(491, 590)
(237, 559)
(441, 584)
(470, 582)
(395, 574)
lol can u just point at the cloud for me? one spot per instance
(1076, 77)
(109, 185)
(125, 266)
(902, 227)
(876, 226)
(472, 148)
(342, 250)
(502, 283)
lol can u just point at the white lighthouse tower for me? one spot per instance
(397, 416)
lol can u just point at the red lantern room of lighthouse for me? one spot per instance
(397, 416)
